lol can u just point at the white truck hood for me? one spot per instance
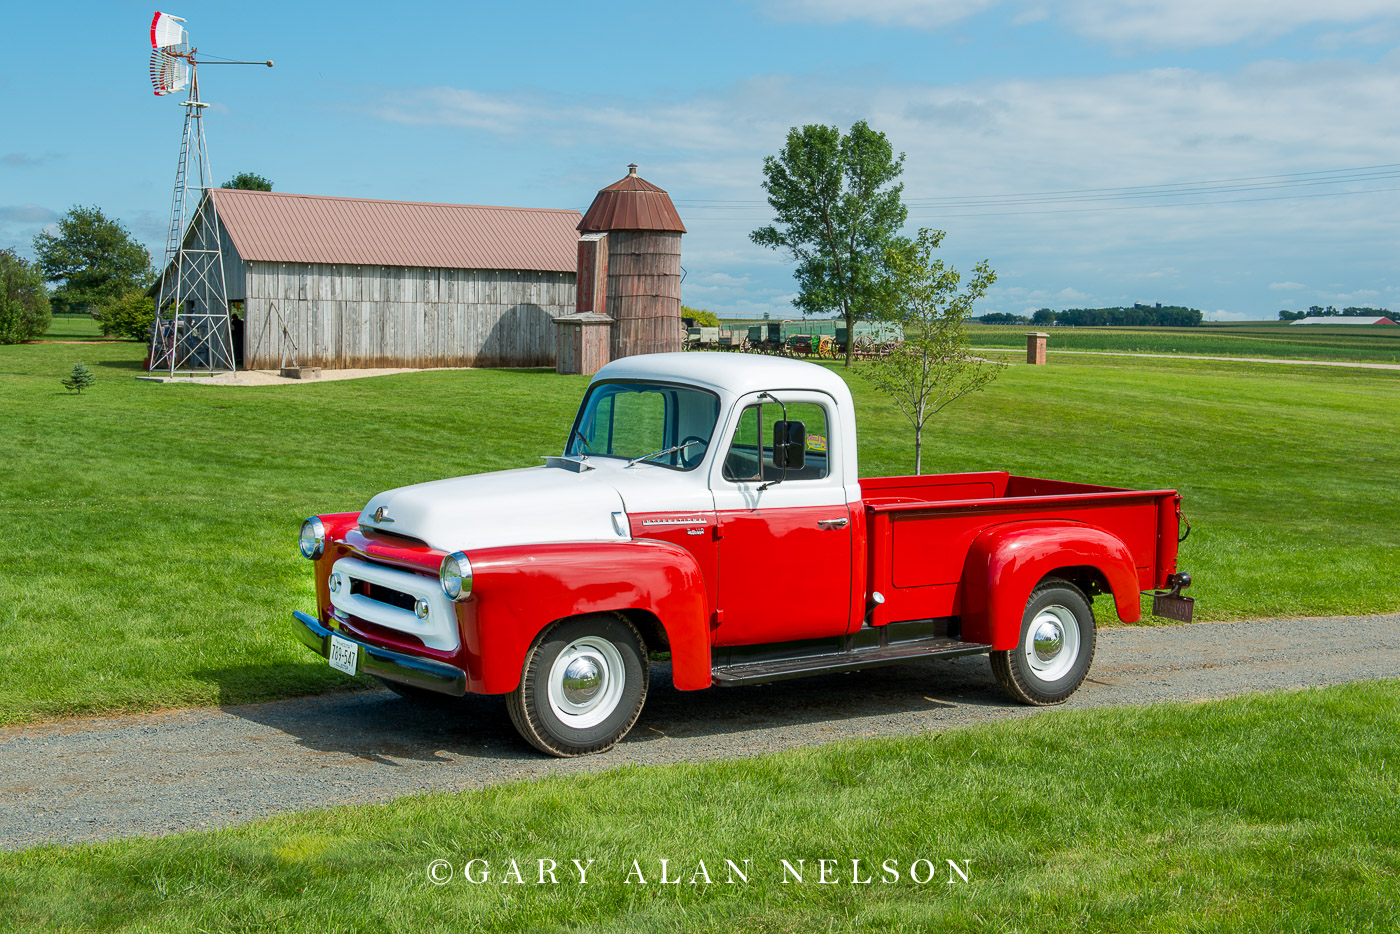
(531, 505)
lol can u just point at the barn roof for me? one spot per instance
(275, 226)
(632, 203)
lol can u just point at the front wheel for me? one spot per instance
(1056, 646)
(582, 686)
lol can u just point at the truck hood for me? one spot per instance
(532, 505)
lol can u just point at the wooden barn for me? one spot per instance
(351, 282)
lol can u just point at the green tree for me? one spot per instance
(703, 318)
(248, 181)
(129, 316)
(1043, 316)
(95, 259)
(81, 378)
(837, 207)
(933, 367)
(24, 303)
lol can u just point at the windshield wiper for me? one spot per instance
(582, 441)
(671, 450)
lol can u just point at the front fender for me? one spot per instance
(519, 590)
(1007, 561)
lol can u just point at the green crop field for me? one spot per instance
(149, 557)
(1353, 343)
(1171, 818)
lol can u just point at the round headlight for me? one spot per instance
(313, 538)
(456, 576)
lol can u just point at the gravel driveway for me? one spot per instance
(93, 779)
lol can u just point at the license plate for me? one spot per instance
(1177, 608)
(344, 655)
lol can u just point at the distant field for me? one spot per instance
(1262, 813)
(149, 556)
(1359, 343)
(73, 328)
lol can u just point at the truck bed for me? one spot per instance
(920, 530)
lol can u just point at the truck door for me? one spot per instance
(785, 541)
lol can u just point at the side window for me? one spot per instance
(750, 454)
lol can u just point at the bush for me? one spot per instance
(129, 316)
(24, 302)
(703, 318)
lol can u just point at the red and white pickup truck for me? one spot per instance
(710, 506)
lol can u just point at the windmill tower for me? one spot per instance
(191, 328)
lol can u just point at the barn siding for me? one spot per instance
(342, 315)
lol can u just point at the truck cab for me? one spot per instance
(711, 506)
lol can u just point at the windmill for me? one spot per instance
(191, 327)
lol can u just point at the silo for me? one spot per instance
(644, 264)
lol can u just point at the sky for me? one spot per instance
(1239, 157)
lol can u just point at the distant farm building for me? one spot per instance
(1340, 319)
(351, 282)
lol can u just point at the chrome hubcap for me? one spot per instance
(585, 682)
(1052, 643)
(1048, 640)
(582, 679)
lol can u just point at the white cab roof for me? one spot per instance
(732, 374)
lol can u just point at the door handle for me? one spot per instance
(832, 523)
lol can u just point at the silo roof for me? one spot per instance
(633, 203)
(290, 228)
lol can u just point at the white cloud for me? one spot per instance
(1196, 23)
(23, 160)
(1160, 23)
(1286, 286)
(1071, 295)
(921, 14)
(1012, 136)
(1220, 314)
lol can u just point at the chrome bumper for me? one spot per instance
(383, 663)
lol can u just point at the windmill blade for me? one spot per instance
(168, 73)
(166, 32)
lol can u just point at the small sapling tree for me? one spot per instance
(81, 378)
(933, 366)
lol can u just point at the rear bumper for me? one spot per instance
(392, 666)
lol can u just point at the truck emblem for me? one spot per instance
(380, 517)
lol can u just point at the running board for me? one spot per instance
(853, 660)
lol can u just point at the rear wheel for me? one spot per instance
(1056, 646)
(582, 686)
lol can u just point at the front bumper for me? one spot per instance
(382, 663)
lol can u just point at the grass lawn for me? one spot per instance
(74, 328)
(1171, 818)
(150, 552)
(1356, 343)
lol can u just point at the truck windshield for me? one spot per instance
(631, 420)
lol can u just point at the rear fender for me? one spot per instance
(1007, 561)
(519, 590)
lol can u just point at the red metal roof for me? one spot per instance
(632, 204)
(276, 226)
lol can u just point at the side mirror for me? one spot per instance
(789, 445)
